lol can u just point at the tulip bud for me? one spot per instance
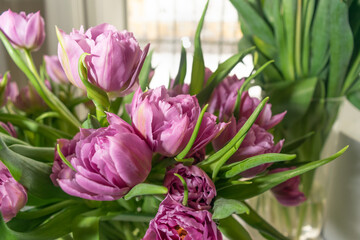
(114, 58)
(107, 162)
(175, 221)
(167, 123)
(55, 70)
(288, 193)
(12, 194)
(200, 187)
(23, 31)
(9, 128)
(28, 100)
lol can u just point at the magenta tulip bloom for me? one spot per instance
(257, 141)
(55, 70)
(265, 118)
(13, 195)
(23, 31)
(201, 188)
(108, 162)
(177, 222)
(288, 193)
(224, 97)
(114, 61)
(167, 122)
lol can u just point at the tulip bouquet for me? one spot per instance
(176, 163)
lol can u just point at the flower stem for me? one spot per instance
(186, 191)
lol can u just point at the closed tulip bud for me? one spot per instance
(114, 61)
(13, 195)
(201, 189)
(175, 221)
(8, 127)
(257, 141)
(23, 31)
(288, 193)
(167, 123)
(28, 100)
(55, 70)
(107, 162)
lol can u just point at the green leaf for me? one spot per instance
(180, 77)
(85, 227)
(9, 140)
(294, 97)
(144, 80)
(232, 229)
(320, 37)
(341, 46)
(354, 95)
(306, 36)
(289, 13)
(33, 175)
(262, 184)
(198, 67)
(234, 169)
(57, 226)
(353, 75)
(28, 124)
(41, 154)
(186, 150)
(225, 153)
(145, 189)
(224, 208)
(91, 123)
(221, 72)
(6, 233)
(254, 23)
(128, 217)
(257, 222)
(295, 143)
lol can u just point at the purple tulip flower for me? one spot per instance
(13, 195)
(55, 70)
(201, 188)
(167, 122)
(288, 193)
(23, 31)
(108, 162)
(177, 222)
(224, 97)
(257, 141)
(114, 61)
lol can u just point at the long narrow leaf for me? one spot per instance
(233, 144)
(198, 67)
(341, 46)
(145, 189)
(262, 184)
(221, 72)
(180, 77)
(33, 175)
(145, 70)
(28, 124)
(233, 230)
(239, 167)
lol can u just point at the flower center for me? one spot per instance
(182, 232)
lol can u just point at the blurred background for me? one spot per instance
(163, 23)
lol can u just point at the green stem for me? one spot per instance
(186, 191)
(298, 40)
(50, 99)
